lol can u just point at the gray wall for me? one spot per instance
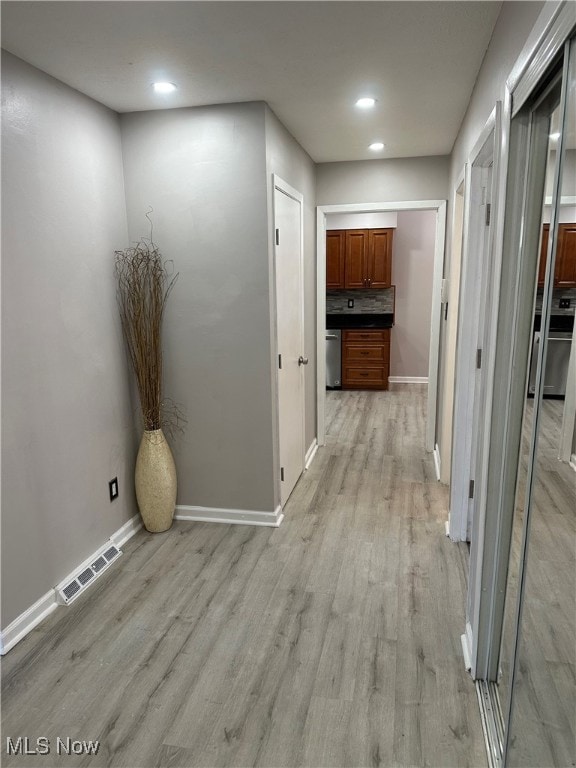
(412, 273)
(510, 34)
(286, 158)
(67, 425)
(374, 181)
(203, 171)
(512, 29)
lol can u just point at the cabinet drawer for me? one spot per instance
(379, 336)
(366, 354)
(359, 377)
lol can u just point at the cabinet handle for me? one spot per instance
(363, 374)
(369, 282)
(363, 353)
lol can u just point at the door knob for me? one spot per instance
(302, 360)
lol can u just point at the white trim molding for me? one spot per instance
(408, 379)
(437, 462)
(27, 621)
(229, 516)
(432, 380)
(310, 454)
(466, 651)
(43, 607)
(126, 532)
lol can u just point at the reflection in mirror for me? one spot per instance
(510, 614)
(543, 685)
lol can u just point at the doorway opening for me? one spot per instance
(439, 206)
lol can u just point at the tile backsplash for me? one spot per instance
(557, 294)
(365, 302)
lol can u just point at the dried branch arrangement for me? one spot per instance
(144, 284)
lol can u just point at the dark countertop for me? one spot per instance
(364, 320)
(558, 322)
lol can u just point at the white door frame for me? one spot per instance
(416, 205)
(464, 394)
(282, 186)
(566, 452)
(444, 438)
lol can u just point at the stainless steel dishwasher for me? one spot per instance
(557, 359)
(333, 359)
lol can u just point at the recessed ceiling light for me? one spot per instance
(164, 87)
(377, 146)
(365, 102)
(555, 136)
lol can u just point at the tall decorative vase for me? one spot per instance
(155, 481)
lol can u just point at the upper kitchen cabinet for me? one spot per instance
(359, 258)
(543, 255)
(565, 272)
(356, 258)
(335, 244)
(565, 268)
(379, 271)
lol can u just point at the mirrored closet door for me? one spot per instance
(533, 654)
(542, 687)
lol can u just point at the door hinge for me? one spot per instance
(471, 490)
(277, 237)
(280, 361)
(488, 212)
(478, 359)
(282, 474)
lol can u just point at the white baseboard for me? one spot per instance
(126, 532)
(310, 453)
(408, 379)
(26, 622)
(233, 516)
(466, 652)
(43, 607)
(437, 461)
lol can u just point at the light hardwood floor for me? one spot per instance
(331, 641)
(543, 726)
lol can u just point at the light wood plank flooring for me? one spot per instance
(543, 726)
(331, 641)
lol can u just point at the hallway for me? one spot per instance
(331, 641)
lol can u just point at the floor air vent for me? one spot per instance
(71, 587)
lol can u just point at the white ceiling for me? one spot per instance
(309, 60)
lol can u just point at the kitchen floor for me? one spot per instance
(331, 641)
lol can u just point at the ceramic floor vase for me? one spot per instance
(155, 481)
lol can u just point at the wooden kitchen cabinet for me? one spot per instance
(565, 271)
(379, 268)
(335, 245)
(543, 255)
(565, 267)
(365, 359)
(365, 256)
(356, 255)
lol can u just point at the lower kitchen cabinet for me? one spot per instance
(365, 359)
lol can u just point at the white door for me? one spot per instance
(484, 277)
(290, 334)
